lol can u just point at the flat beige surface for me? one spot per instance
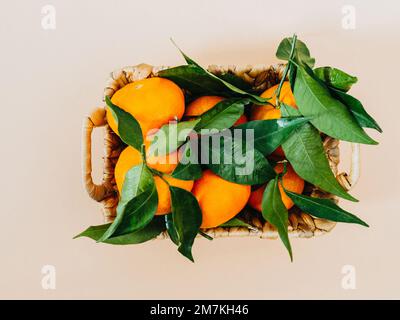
(52, 78)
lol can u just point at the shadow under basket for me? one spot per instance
(260, 78)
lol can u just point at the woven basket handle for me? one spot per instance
(101, 191)
(349, 180)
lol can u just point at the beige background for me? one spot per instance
(51, 79)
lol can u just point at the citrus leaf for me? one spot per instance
(187, 218)
(194, 79)
(223, 115)
(128, 127)
(137, 180)
(288, 111)
(235, 81)
(137, 204)
(236, 222)
(152, 230)
(232, 161)
(301, 55)
(169, 224)
(232, 88)
(202, 82)
(275, 212)
(335, 78)
(137, 213)
(187, 169)
(171, 136)
(328, 114)
(357, 109)
(187, 58)
(292, 75)
(323, 208)
(270, 134)
(226, 76)
(306, 154)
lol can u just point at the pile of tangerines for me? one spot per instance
(154, 102)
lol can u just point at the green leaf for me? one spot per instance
(269, 134)
(275, 212)
(137, 213)
(236, 222)
(292, 75)
(323, 208)
(187, 218)
(357, 109)
(223, 115)
(288, 111)
(194, 79)
(152, 230)
(301, 55)
(171, 136)
(235, 80)
(128, 127)
(169, 223)
(226, 76)
(232, 83)
(233, 161)
(137, 204)
(306, 154)
(138, 179)
(328, 114)
(335, 78)
(201, 82)
(187, 169)
(187, 58)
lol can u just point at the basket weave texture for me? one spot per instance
(261, 77)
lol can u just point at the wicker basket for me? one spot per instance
(300, 224)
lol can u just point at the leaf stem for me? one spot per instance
(143, 153)
(294, 62)
(159, 174)
(285, 72)
(153, 171)
(205, 235)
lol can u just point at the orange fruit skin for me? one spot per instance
(200, 105)
(268, 112)
(241, 120)
(164, 195)
(163, 163)
(153, 102)
(130, 157)
(291, 182)
(219, 200)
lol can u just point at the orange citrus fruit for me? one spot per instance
(153, 102)
(202, 104)
(219, 200)
(291, 182)
(164, 195)
(163, 163)
(267, 112)
(130, 157)
(241, 120)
